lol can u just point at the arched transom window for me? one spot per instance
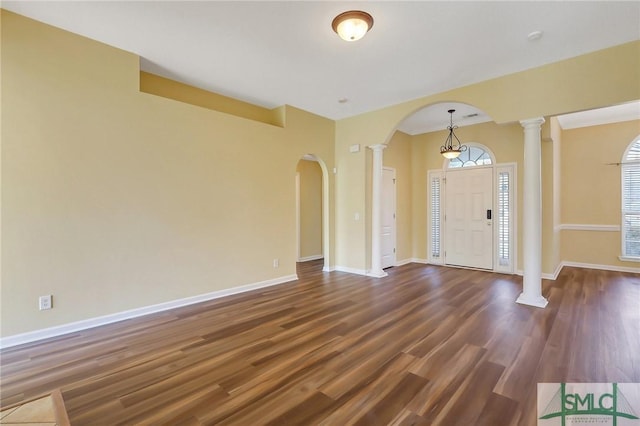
(475, 155)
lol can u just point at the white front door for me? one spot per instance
(388, 240)
(468, 218)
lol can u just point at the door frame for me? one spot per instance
(395, 222)
(438, 178)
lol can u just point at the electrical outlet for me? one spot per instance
(44, 302)
(276, 263)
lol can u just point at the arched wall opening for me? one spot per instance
(420, 152)
(312, 210)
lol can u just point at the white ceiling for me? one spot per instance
(274, 53)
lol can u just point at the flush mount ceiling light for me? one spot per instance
(352, 25)
(449, 150)
(535, 35)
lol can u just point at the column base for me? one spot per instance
(538, 302)
(377, 274)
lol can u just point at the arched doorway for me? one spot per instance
(476, 181)
(312, 210)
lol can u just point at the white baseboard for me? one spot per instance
(46, 333)
(350, 270)
(582, 265)
(587, 227)
(558, 270)
(544, 276)
(602, 267)
(309, 258)
(411, 260)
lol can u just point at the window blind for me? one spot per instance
(435, 217)
(504, 219)
(631, 202)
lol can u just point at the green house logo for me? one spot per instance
(588, 403)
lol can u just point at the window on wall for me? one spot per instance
(473, 156)
(631, 201)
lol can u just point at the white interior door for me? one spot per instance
(388, 241)
(468, 228)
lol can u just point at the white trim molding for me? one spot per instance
(376, 212)
(588, 227)
(350, 270)
(582, 265)
(551, 277)
(309, 258)
(73, 327)
(602, 267)
(555, 274)
(629, 258)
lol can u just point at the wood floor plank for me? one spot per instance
(472, 395)
(426, 345)
(386, 409)
(438, 395)
(498, 410)
(356, 399)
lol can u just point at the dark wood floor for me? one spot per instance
(425, 345)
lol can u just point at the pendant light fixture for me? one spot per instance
(449, 150)
(352, 25)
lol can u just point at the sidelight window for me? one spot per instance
(435, 218)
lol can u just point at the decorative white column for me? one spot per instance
(376, 213)
(532, 216)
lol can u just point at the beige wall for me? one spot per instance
(113, 199)
(350, 193)
(310, 209)
(591, 191)
(160, 86)
(397, 155)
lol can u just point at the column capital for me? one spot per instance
(532, 122)
(377, 147)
